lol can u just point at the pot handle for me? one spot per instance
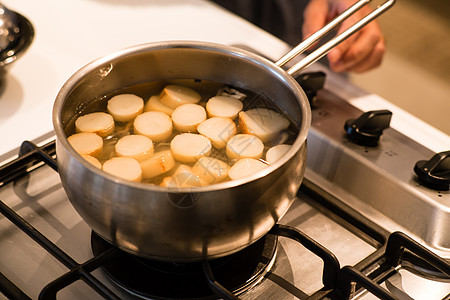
(324, 49)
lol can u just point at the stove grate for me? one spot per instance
(398, 249)
(338, 282)
(30, 157)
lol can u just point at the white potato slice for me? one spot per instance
(153, 104)
(244, 145)
(97, 122)
(125, 107)
(153, 124)
(211, 170)
(175, 95)
(160, 163)
(224, 106)
(276, 152)
(262, 122)
(124, 167)
(92, 160)
(182, 177)
(245, 167)
(86, 143)
(186, 117)
(138, 147)
(189, 147)
(219, 130)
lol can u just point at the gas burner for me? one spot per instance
(154, 279)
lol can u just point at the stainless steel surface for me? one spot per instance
(40, 199)
(377, 181)
(405, 285)
(9, 28)
(16, 35)
(146, 220)
(296, 273)
(324, 49)
(293, 279)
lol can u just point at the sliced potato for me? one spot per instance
(262, 122)
(92, 160)
(153, 104)
(86, 143)
(219, 130)
(245, 167)
(189, 147)
(211, 170)
(138, 147)
(98, 122)
(175, 95)
(124, 167)
(153, 124)
(224, 106)
(182, 177)
(186, 117)
(125, 107)
(244, 145)
(160, 163)
(276, 152)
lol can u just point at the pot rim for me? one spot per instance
(200, 45)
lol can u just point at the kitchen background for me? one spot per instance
(415, 74)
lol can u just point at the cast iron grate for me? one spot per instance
(337, 282)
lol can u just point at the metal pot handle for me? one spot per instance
(324, 49)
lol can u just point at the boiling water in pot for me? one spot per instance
(169, 175)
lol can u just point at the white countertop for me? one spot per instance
(71, 33)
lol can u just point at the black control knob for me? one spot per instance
(311, 83)
(368, 128)
(435, 173)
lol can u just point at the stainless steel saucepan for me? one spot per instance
(185, 224)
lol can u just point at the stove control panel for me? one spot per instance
(377, 179)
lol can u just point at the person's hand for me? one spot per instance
(362, 51)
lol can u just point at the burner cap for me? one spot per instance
(162, 280)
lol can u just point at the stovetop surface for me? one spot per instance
(39, 198)
(351, 221)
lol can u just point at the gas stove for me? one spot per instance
(363, 226)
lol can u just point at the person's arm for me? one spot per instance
(359, 53)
